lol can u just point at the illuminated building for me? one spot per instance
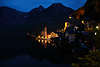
(45, 38)
(53, 35)
(65, 26)
(45, 32)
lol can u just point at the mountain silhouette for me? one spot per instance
(13, 35)
(54, 13)
(51, 16)
(12, 16)
(36, 11)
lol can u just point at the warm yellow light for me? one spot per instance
(45, 41)
(65, 26)
(39, 40)
(42, 33)
(42, 37)
(83, 22)
(39, 36)
(45, 37)
(49, 36)
(70, 17)
(97, 27)
(42, 41)
(90, 29)
(53, 35)
(49, 41)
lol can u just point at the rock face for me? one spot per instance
(92, 9)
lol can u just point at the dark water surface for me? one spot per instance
(16, 49)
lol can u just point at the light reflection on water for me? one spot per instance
(46, 43)
(41, 42)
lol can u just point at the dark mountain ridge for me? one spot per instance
(12, 36)
(36, 11)
(12, 16)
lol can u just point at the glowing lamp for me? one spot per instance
(97, 27)
(70, 17)
(42, 37)
(95, 33)
(39, 40)
(83, 22)
(38, 36)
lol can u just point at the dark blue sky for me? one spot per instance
(27, 5)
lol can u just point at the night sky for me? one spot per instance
(27, 5)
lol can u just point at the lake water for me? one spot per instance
(14, 43)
